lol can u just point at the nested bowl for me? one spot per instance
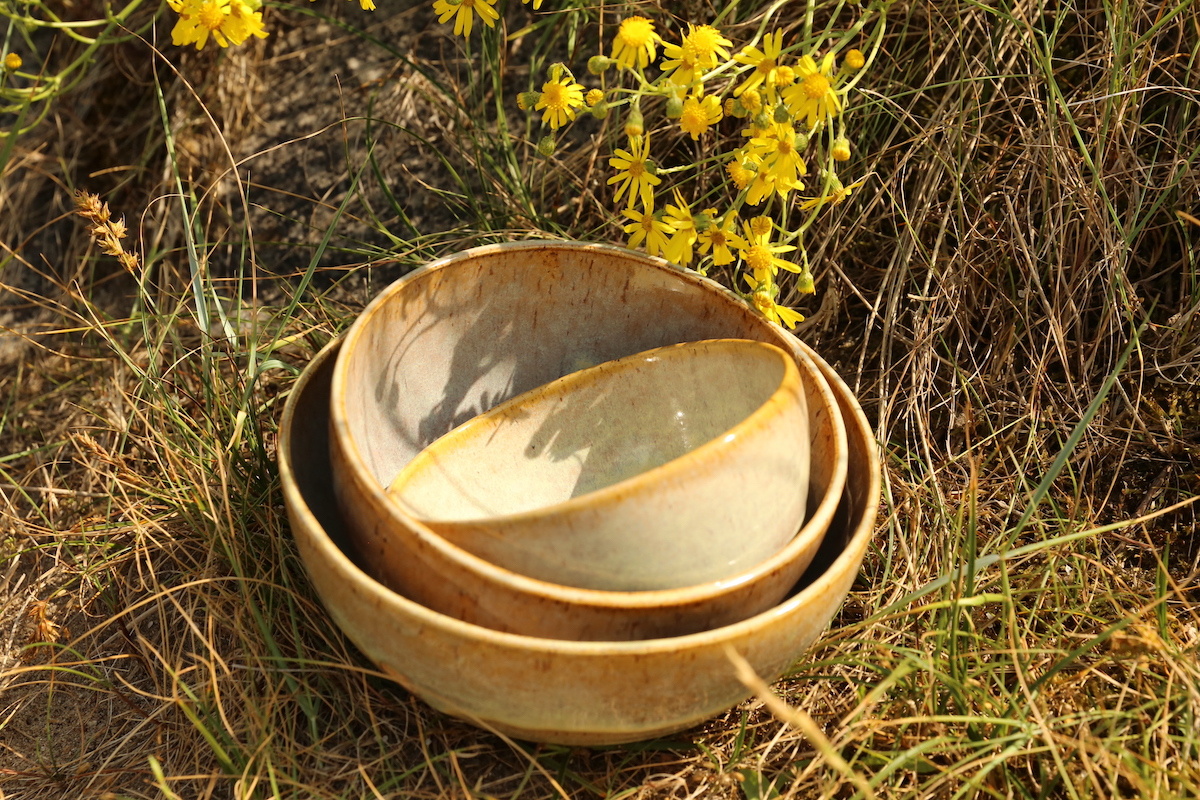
(550, 690)
(467, 332)
(669, 468)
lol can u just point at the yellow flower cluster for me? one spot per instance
(225, 22)
(789, 107)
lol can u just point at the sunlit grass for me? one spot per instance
(1014, 297)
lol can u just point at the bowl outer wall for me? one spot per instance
(620, 302)
(575, 693)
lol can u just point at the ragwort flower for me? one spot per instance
(762, 257)
(780, 157)
(226, 21)
(682, 224)
(720, 236)
(765, 63)
(698, 52)
(560, 97)
(633, 46)
(763, 297)
(699, 114)
(464, 12)
(813, 98)
(636, 174)
(647, 228)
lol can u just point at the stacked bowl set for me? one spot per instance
(551, 487)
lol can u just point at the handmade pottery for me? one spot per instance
(674, 467)
(467, 332)
(551, 690)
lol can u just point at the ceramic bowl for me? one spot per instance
(669, 468)
(463, 334)
(576, 693)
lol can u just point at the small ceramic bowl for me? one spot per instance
(465, 333)
(674, 467)
(549, 690)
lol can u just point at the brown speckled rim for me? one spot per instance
(813, 529)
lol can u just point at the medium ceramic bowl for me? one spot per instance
(669, 468)
(467, 332)
(576, 693)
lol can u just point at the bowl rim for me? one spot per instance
(597, 598)
(849, 558)
(755, 422)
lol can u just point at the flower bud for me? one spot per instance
(854, 60)
(593, 96)
(840, 149)
(674, 107)
(597, 65)
(804, 283)
(782, 114)
(800, 142)
(600, 110)
(634, 124)
(545, 147)
(527, 100)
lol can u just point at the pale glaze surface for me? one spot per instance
(669, 468)
(463, 334)
(576, 693)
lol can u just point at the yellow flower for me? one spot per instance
(367, 5)
(752, 101)
(760, 256)
(720, 236)
(682, 224)
(762, 186)
(245, 20)
(763, 300)
(633, 46)
(765, 63)
(593, 96)
(699, 113)
(12, 61)
(840, 149)
(634, 173)
(681, 64)
(560, 97)
(699, 51)
(464, 12)
(813, 97)
(834, 194)
(226, 21)
(648, 229)
(537, 4)
(739, 170)
(758, 229)
(706, 45)
(781, 159)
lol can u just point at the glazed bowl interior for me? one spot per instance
(669, 468)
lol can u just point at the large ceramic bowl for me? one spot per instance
(579, 693)
(668, 468)
(465, 333)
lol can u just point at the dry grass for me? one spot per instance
(1015, 297)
